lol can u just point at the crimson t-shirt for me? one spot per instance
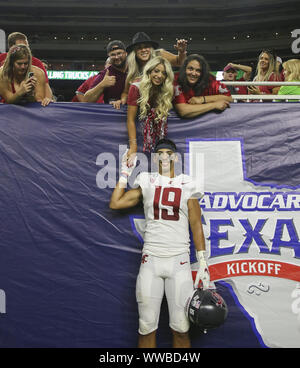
(113, 92)
(214, 88)
(133, 94)
(85, 86)
(273, 78)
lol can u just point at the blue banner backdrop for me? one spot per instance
(68, 263)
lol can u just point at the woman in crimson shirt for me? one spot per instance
(196, 91)
(266, 71)
(150, 99)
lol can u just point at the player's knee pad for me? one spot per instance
(147, 326)
(180, 325)
(149, 310)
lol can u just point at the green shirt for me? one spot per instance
(289, 90)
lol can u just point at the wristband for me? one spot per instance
(200, 255)
(123, 180)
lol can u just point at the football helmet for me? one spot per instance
(206, 309)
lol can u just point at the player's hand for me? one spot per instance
(127, 170)
(131, 156)
(203, 271)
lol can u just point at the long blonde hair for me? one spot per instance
(134, 69)
(292, 66)
(165, 90)
(260, 76)
(15, 53)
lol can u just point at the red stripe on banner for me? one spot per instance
(253, 267)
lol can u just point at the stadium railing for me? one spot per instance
(261, 98)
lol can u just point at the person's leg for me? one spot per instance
(178, 288)
(181, 340)
(147, 341)
(149, 295)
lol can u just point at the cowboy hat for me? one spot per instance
(141, 37)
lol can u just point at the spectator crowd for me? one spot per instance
(142, 77)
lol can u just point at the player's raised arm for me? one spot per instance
(121, 198)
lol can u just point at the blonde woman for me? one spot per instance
(291, 71)
(150, 98)
(141, 50)
(266, 71)
(20, 81)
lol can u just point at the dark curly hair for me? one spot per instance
(204, 79)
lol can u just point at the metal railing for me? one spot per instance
(261, 98)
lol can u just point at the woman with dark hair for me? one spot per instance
(196, 89)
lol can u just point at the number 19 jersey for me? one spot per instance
(165, 202)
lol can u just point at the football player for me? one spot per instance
(170, 205)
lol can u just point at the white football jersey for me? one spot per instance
(166, 212)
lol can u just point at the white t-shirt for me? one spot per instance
(166, 212)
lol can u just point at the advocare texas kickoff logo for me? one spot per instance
(252, 239)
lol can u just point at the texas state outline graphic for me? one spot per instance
(251, 238)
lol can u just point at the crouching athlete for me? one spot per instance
(170, 205)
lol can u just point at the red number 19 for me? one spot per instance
(175, 203)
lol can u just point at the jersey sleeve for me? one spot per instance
(179, 97)
(193, 188)
(98, 78)
(2, 58)
(222, 89)
(137, 181)
(195, 192)
(140, 180)
(85, 86)
(133, 95)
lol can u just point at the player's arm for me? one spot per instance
(199, 241)
(121, 199)
(194, 211)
